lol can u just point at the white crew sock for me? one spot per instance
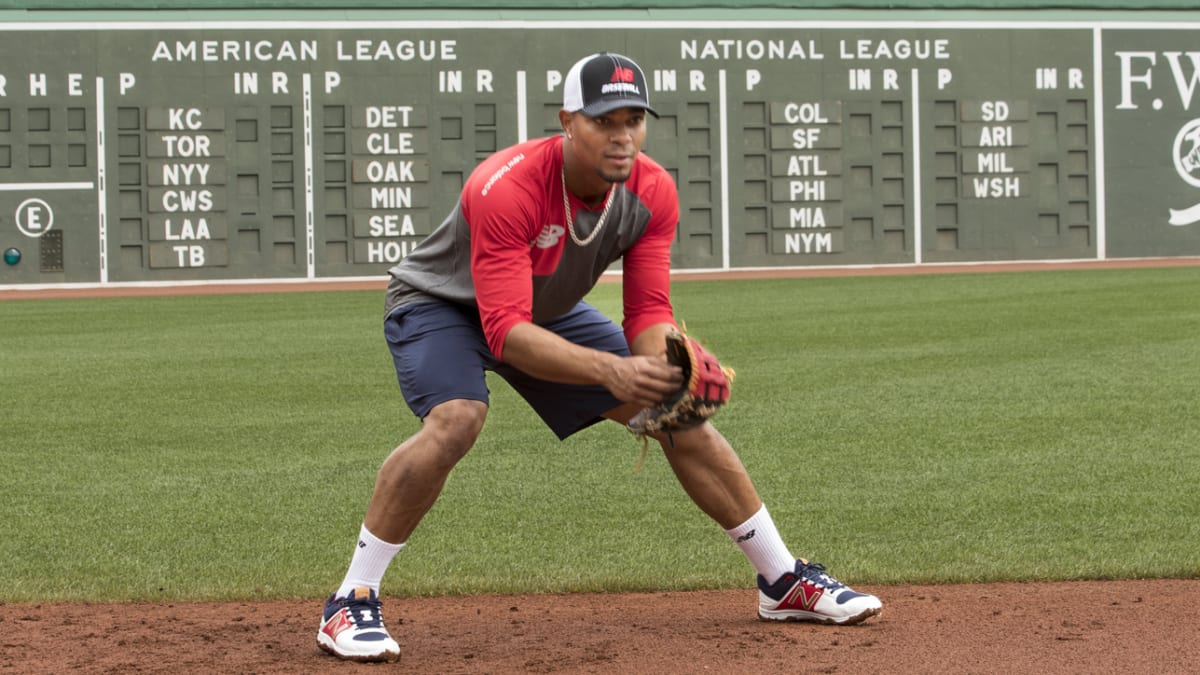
(760, 541)
(371, 558)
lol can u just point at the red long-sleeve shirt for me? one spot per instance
(505, 248)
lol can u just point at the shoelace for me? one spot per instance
(815, 573)
(366, 613)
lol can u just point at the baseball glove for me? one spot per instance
(704, 390)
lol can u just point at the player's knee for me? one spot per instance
(454, 425)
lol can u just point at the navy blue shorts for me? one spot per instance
(441, 355)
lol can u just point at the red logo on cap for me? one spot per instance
(622, 74)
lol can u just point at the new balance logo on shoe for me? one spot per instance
(802, 596)
(746, 537)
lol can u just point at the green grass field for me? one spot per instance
(926, 428)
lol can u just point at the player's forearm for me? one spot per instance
(651, 341)
(544, 355)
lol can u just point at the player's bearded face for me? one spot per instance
(611, 142)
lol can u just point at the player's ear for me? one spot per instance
(564, 119)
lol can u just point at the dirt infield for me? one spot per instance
(1077, 627)
(1139, 626)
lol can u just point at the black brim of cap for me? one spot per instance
(601, 107)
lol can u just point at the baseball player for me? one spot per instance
(499, 286)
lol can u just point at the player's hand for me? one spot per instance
(644, 380)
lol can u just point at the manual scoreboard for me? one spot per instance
(144, 151)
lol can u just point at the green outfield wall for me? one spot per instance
(692, 5)
(208, 143)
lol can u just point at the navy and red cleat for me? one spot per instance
(809, 594)
(352, 628)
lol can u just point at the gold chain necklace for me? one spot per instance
(608, 200)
